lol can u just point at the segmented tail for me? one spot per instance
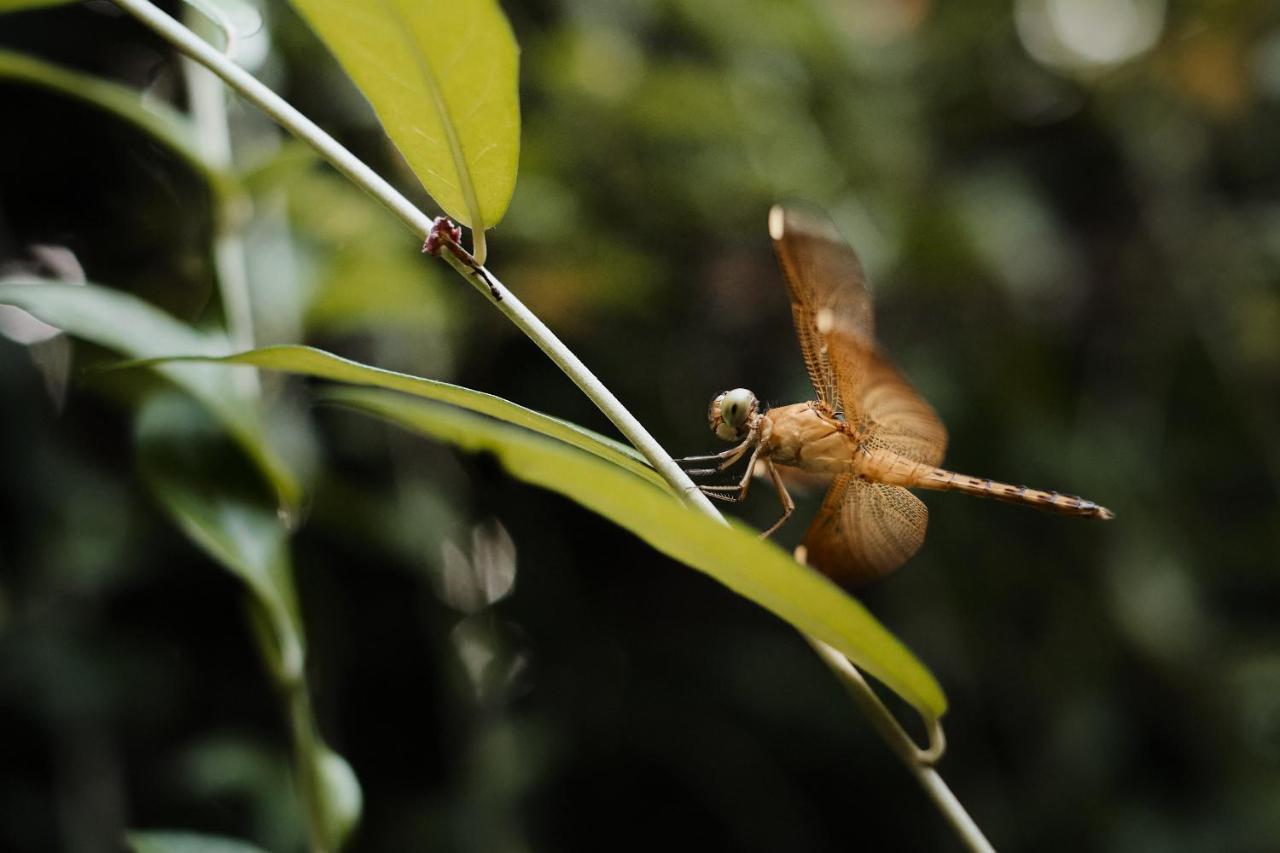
(950, 481)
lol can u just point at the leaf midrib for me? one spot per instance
(465, 184)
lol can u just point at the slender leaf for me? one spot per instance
(138, 329)
(173, 841)
(733, 555)
(165, 124)
(441, 75)
(308, 361)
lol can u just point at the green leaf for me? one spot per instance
(308, 361)
(167, 841)
(136, 328)
(442, 77)
(165, 124)
(178, 453)
(733, 554)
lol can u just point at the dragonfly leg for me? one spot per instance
(728, 457)
(707, 458)
(736, 493)
(788, 505)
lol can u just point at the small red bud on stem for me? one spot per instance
(443, 231)
(446, 234)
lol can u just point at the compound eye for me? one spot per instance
(736, 406)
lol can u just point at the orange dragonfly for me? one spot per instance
(869, 428)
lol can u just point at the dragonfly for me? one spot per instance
(868, 428)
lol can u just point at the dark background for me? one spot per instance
(1071, 215)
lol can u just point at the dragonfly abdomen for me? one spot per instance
(881, 465)
(944, 480)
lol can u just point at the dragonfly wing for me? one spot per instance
(829, 300)
(865, 530)
(836, 327)
(896, 416)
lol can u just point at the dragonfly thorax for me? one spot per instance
(732, 414)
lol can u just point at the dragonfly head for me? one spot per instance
(732, 414)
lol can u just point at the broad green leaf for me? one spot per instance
(137, 329)
(176, 841)
(441, 75)
(308, 361)
(733, 554)
(165, 124)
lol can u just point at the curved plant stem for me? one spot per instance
(287, 671)
(306, 746)
(918, 762)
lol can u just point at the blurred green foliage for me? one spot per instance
(1072, 227)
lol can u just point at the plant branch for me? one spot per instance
(917, 761)
(281, 651)
(306, 751)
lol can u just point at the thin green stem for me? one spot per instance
(278, 645)
(919, 761)
(208, 102)
(217, 16)
(306, 748)
(281, 651)
(524, 319)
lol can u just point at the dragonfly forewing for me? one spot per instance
(828, 298)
